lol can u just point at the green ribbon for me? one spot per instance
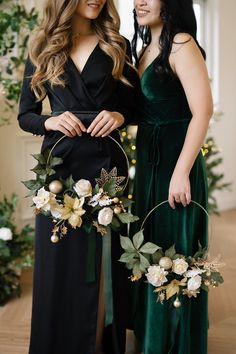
(107, 271)
(175, 314)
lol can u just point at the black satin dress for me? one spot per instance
(66, 276)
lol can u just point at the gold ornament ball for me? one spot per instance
(117, 210)
(165, 262)
(55, 187)
(208, 273)
(115, 200)
(177, 303)
(54, 238)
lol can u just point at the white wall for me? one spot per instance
(224, 74)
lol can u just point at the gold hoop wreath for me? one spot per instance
(76, 203)
(170, 273)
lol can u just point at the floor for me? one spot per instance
(15, 316)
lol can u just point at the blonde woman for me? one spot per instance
(79, 61)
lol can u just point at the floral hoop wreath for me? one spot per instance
(170, 273)
(77, 204)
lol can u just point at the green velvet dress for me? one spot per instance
(164, 117)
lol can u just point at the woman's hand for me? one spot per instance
(179, 189)
(105, 123)
(67, 123)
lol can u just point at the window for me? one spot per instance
(200, 11)
(125, 9)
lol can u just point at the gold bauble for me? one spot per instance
(117, 210)
(115, 200)
(55, 186)
(177, 303)
(165, 262)
(208, 273)
(207, 282)
(54, 238)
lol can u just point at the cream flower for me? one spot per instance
(194, 283)
(83, 188)
(193, 272)
(56, 210)
(44, 199)
(105, 216)
(5, 234)
(100, 198)
(73, 210)
(179, 266)
(156, 275)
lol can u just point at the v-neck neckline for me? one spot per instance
(148, 66)
(87, 61)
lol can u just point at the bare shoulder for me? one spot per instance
(182, 40)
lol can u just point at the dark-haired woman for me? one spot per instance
(175, 109)
(78, 59)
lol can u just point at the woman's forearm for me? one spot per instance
(195, 137)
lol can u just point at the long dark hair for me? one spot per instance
(178, 16)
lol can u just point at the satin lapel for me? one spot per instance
(76, 86)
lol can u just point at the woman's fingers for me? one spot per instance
(94, 123)
(188, 197)
(183, 198)
(104, 129)
(65, 123)
(104, 123)
(77, 124)
(63, 130)
(113, 127)
(171, 200)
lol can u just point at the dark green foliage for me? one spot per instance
(15, 254)
(16, 23)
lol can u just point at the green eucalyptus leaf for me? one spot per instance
(126, 218)
(39, 170)
(127, 257)
(126, 202)
(149, 248)
(136, 269)
(204, 287)
(110, 188)
(40, 158)
(56, 161)
(156, 256)
(138, 239)
(170, 252)
(126, 244)
(144, 262)
(32, 184)
(115, 222)
(69, 182)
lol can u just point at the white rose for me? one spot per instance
(194, 283)
(179, 266)
(156, 275)
(83, 188)
(5, 234)
(105, 216)
(193, 272)
(43, 199)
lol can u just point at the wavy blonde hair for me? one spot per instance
(52, 42)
